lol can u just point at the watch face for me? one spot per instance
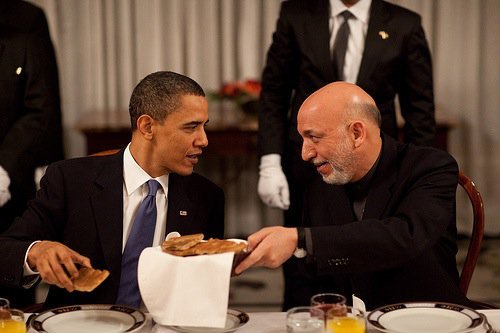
(300, 253)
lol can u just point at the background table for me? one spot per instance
(234, 136)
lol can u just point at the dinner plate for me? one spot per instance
(100, 318)
(425, 317)
(235, 319)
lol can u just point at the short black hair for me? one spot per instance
(158, 95)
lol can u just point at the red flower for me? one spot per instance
(239, 90)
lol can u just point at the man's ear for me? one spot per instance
(145, 126)
(358, 131)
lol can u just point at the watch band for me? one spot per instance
(301, 240)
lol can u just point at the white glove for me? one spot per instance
(4, 187)
(273, 187)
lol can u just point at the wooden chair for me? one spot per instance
(477, 231)
(476, 238)
(106, 152)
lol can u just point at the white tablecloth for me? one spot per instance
(275, 322)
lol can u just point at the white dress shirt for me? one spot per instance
(135, 190)
(358, 25)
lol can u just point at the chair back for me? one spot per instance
(106, 152)
(477, 231)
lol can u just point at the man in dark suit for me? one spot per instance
(381, 224)
(85, 209)
(386, 55)
(30, 114)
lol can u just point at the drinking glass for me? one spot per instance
(14, 323)
(328, 301)
(4, 304)
(4, 309)
(352, 320)
(305, 319)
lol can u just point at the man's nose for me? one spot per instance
(201, 140)
(307, 151)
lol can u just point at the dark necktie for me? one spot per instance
(141, 236)
(340, 45)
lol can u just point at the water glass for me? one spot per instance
(328, 301)
(305, 319)
(14, 323)
(4, 309)
(352, 320)
(4, 304)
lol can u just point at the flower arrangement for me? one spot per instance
(244, 93)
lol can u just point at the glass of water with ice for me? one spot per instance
(305, 319)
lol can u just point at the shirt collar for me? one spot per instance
(134, 176)
(361, 10)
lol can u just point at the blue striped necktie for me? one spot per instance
(141, 236)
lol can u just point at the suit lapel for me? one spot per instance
(107, 205)
(181, 209)
(383, 181)
(374, 44)
(316, 26)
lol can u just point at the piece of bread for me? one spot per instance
(88, 278)
(212, 246)
(182, 242)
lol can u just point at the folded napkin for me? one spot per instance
(185, 291)
(358, 303)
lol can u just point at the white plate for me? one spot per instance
(89, 318)
(235, 319)
(425, 317)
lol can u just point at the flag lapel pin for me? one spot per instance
(384, 35)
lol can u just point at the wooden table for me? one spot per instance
(105, 131)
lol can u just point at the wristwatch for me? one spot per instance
(300, 251)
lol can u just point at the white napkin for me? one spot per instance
(358, 303)
(185, 291)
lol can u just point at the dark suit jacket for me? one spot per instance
(30, 115)
(80, 205)
(299, 63)
(404, 248)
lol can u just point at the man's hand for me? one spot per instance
(52, 260)
(273, 187)
(4, 187)
(269, 247)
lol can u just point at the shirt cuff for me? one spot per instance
(26, 268)
(30, 277)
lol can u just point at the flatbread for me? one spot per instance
(88, 278)
(212, 246)
(181, 243)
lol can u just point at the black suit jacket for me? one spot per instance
(80, 205)
(30, 115)
(404, 247)
(299, 63)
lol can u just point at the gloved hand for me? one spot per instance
(4, 187)
(273, 186)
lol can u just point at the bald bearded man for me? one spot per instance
(381, 223)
